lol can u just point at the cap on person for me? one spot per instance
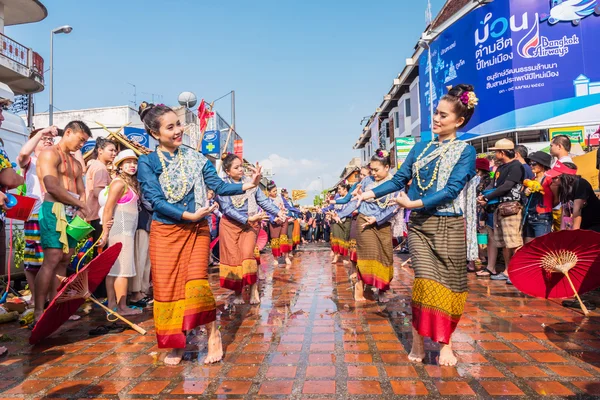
(124, 155)
(503, 144)
(482, 164)
(544, 159)
(559, 169)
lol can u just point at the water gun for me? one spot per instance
(533, 185)
(82, 253)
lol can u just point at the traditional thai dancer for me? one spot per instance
(293, 222)
(174, 180)
(278, 229)
(443, 199)
(340, 230)
(238, 231)
(374, 242)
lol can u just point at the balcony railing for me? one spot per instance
(14, 50)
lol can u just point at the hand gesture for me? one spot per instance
(258, 217)
(84, 211)
(109, 224)
(403, 200)
(202, 213)
(256, 174)
(369, 221)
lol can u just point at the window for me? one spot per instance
(407, 108)
(396, 119)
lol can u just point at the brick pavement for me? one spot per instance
(308, 340)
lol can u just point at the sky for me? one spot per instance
(304, 72)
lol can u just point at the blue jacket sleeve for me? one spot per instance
(153, 191)
(230, 211)
(400, 179)
(385, 214)
(348, 209)
(345, 200)
(463, 171)
(266, 204)
(214, 182)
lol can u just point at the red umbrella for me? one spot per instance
(558, 265)
(73, 292)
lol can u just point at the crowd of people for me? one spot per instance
(167, 207)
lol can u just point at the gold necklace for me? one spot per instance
(180, 194)
(437, 165)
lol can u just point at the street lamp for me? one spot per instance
(232, 93)
(66, 29)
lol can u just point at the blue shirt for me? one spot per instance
(463, 171)
(346, 199)
(149, 169)
(241, 214)
(528, 172)
(372, 208)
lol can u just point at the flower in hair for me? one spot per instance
(383, 153)
(469, 99)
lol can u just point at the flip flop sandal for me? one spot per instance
(575, 304)
(148, 300)
(116, 328)
(99, 331)
(139, 304)
(484, 273)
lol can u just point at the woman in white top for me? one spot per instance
(122, 207)
(27, 159)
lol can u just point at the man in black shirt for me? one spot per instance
(508, 183)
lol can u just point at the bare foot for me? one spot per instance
(174, 357)
(238, 298)
(447, 357)
(215, 348)
(353, 278)
(346, 262)
(276, 262)
(129, 311)
(288, 261)
(335, 259)
(332, 253)
(383, 297)
(359, 292)
(254, 297)
(417, 352)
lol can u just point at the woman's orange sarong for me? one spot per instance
(183, 299)
(237, 244)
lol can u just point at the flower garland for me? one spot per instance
(436, 168)
(179, 195)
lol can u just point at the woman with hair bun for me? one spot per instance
(238, 231)
(174, 179)
(375, 264)
(278, 229)
(443, 200)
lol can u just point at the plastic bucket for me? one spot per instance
(482, 238)
(78, 229)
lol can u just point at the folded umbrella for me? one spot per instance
(74, 291)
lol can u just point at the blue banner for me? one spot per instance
(533, 63)
(137, 135)
(211, 142)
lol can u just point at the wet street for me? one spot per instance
(309, 340)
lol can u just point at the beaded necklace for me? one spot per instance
(444, 150)
(180, 194)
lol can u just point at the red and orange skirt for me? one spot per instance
(237, 254)
(375, 254)
(279, 239)
(183, 299)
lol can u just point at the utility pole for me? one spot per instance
(134, 95)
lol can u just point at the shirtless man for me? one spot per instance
(61, 176)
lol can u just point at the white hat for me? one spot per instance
(124, 155)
